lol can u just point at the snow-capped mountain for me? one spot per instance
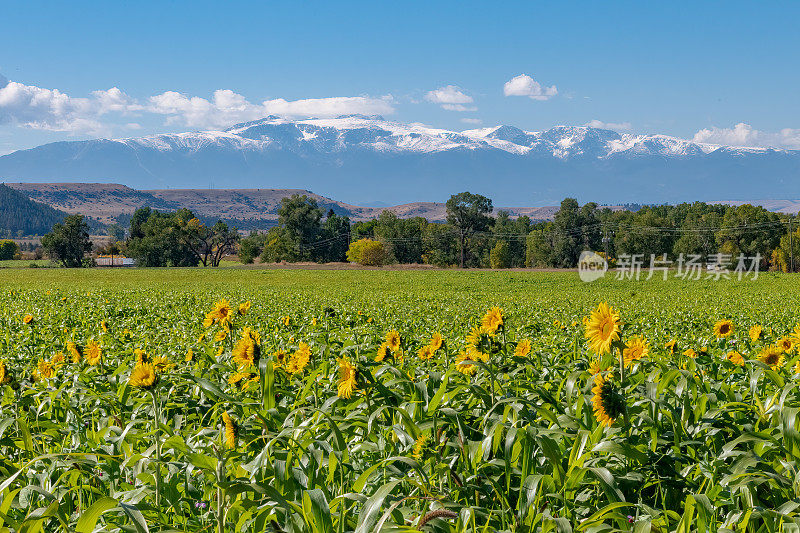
(365, 159)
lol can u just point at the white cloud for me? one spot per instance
(471, 121)
(451, 98)
(615, 126)
(524, 85)
(745, 135)
(50, 109)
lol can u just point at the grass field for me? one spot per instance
(135, 400)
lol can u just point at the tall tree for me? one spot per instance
(468, 213)
(68, 241)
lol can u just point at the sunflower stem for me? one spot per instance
(157, 432)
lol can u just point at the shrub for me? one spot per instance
(367, 252)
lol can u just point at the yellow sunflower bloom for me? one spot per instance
(5, 377)
(690, 353)
(27, 319)
(723, 328)
(231, 430)
(143, 376)
(162, 364)
(244, 308)
(492, 320)
(523, 348)
(602, 329)
(74, 352)
(635, 349)
(436, 342)
(735, 358)
(607, 403)
(347, 378)
(393, 340)
(383, 351)
(772, 356)
(45, 369)
(671, 345)
(93, 353)
(425, 353)
(755, 332)
(785, 344)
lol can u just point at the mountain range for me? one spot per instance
(367, 159)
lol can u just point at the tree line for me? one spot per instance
(471, 236)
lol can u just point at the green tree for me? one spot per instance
(251, 246)
(468, 213)
(500, 256)
(158, 239)
(8, 249)
(335, 238)
(67, 242)
(439, 245)
(299, 218)
(403, 237)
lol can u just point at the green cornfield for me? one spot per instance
(438, 401)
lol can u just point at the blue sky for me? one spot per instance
(721, 72)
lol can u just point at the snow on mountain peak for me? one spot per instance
(373, 132)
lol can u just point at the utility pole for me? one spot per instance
(606, 240)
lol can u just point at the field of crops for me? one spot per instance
(336, 401)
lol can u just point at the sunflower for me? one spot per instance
(287, 321)
(523, 348)
(393, 340)
(419, 446)
(671, 345)
(314, 321)
(464, 361)
(244, 307)
(755, 333)
(246, 352)
(299, 359)
(141, 356)
(595, 367)
(772, 356)
(144, 376)
(797, 367)
(603, 328)
(58, 360)
(74, 352)
(45, 369)
(795, 335)
(383, 351)
(785, 344)
(27, 319)
(425, 353)
(723, 328)
(436, 342)
(735, 358)
(231, 430)
(347, 378)
(635, 349)
(161, 364)
(279, 359)
(607, 403)
(189, 356)
(4, 374)
(492, 320)
(245, 378)
(208, 321)
(221, 314)
(220, 336)
(690, 353)
(93, 353)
